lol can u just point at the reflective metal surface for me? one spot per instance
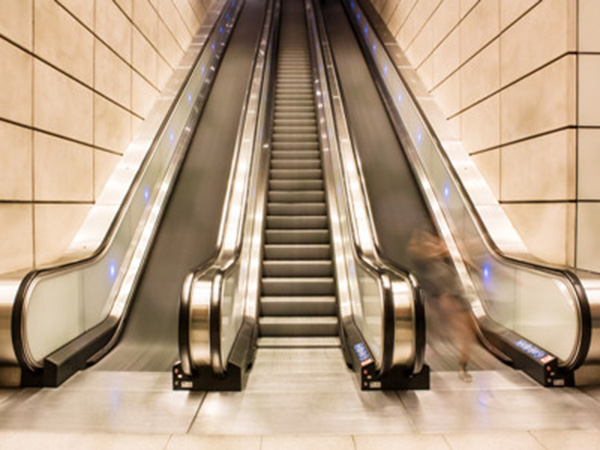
(379, 298)
(221, 298)
(58, 304)
(501, 288)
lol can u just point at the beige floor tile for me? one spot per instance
(566, 440)
(184, 442)
(408, 441)
(520, 440)
(307, 442)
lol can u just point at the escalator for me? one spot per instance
(299, 275)
(142, 335)
(298, 304)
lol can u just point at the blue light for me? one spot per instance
(446, 191)
(366, 30)
(232, 3)
(374, 47)
(112, 270)
(385, 70)
(220, 29)
(171, 137)
(213, 47)
(189, 98)
(202, 69)
(146, 194)
(358, 16)
(486, 272)
(352, 5)
(400, 97)
(419, 137)
(227, 16)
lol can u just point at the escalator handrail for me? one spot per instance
(371, 258)
(33, 277)
(567, 275)
(205, 349)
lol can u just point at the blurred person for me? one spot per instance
(438, 280)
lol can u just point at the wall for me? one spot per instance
(518, 82)
(77, 78)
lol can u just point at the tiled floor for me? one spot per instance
(300, 399)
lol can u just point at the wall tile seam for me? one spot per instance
(190, 32)
(541, 202)
(47, 202)
(430, 54)
(481, 49)
(528, 138)
(391, 15)
(73, 78)
(512, 83)
(200, 20)
(61, 136)
(406, 18)
(117, 54)
(166, 26)
(418, 33)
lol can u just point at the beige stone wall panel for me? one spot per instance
(480, 130)
(589, 32)
(63, 170)
(168, 46)
(547, 229)
(588, 159)
(16, 161)
(144, 95)
(112, 125)
(112, 75)
(114, 28)
(488, 164)
(16, 245)
(82, 10)
(480, 76)
(62, 105)
(173, 21)
(145, 57)
(511, 10)
(446, 58)
(588, 242)
(15, 91)
(104, 165)
(146, 19)
(544, 34)
(63, 41)
(55, 226)
(540, 169)
(479, 27)
(188, 15)
(542, 102)
(16, 21)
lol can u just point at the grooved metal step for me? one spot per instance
(301, 306)
(298, 268)
(294, 154)
(298, 326)
(298, 286)
(298, 304)
(296, 196)
(299, 342)
(297, 222)
(295, 164)
(297, 236)
(296, 209)
(297, 251)
(296, 185)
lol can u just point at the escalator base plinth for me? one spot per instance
(206, 380)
